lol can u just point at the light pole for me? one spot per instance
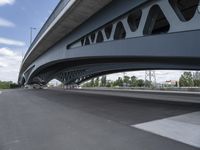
(31, 34)
(22, 54)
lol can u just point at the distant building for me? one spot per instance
(172, 83)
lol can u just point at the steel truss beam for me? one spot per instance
(140, 22)
(159, 34)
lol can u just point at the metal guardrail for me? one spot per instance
(61, 5)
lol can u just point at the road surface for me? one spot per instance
(73, 120)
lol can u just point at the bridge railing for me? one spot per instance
(61, 5)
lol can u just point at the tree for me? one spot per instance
(4, 85)
(96, 83)
(118, 82)
(8, 85)
(148, 83)
(196, 83)
(133, 81)
(109, 84)
(103, 81)
(92, 84)
(140, 83)
(196, 79)
(186, 80)
(14, 85)
(87, 84)
(126, 79)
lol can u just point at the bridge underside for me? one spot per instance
(76, 72)
(156, 34)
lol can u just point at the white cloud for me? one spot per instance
(10, 62)
(11, 42)
(6, 52)
(6, 23)
(6, 2)
(2, 64)
(9, 54)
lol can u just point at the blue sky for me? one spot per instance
(24, 14)
(16, 18)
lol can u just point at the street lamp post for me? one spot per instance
(31, 34)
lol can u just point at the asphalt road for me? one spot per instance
(68, 120)
(156, 95)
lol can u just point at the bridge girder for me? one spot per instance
(157, 34)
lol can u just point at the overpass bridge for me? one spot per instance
(83, 39)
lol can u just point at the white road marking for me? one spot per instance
(183, 128)
(0, 92)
